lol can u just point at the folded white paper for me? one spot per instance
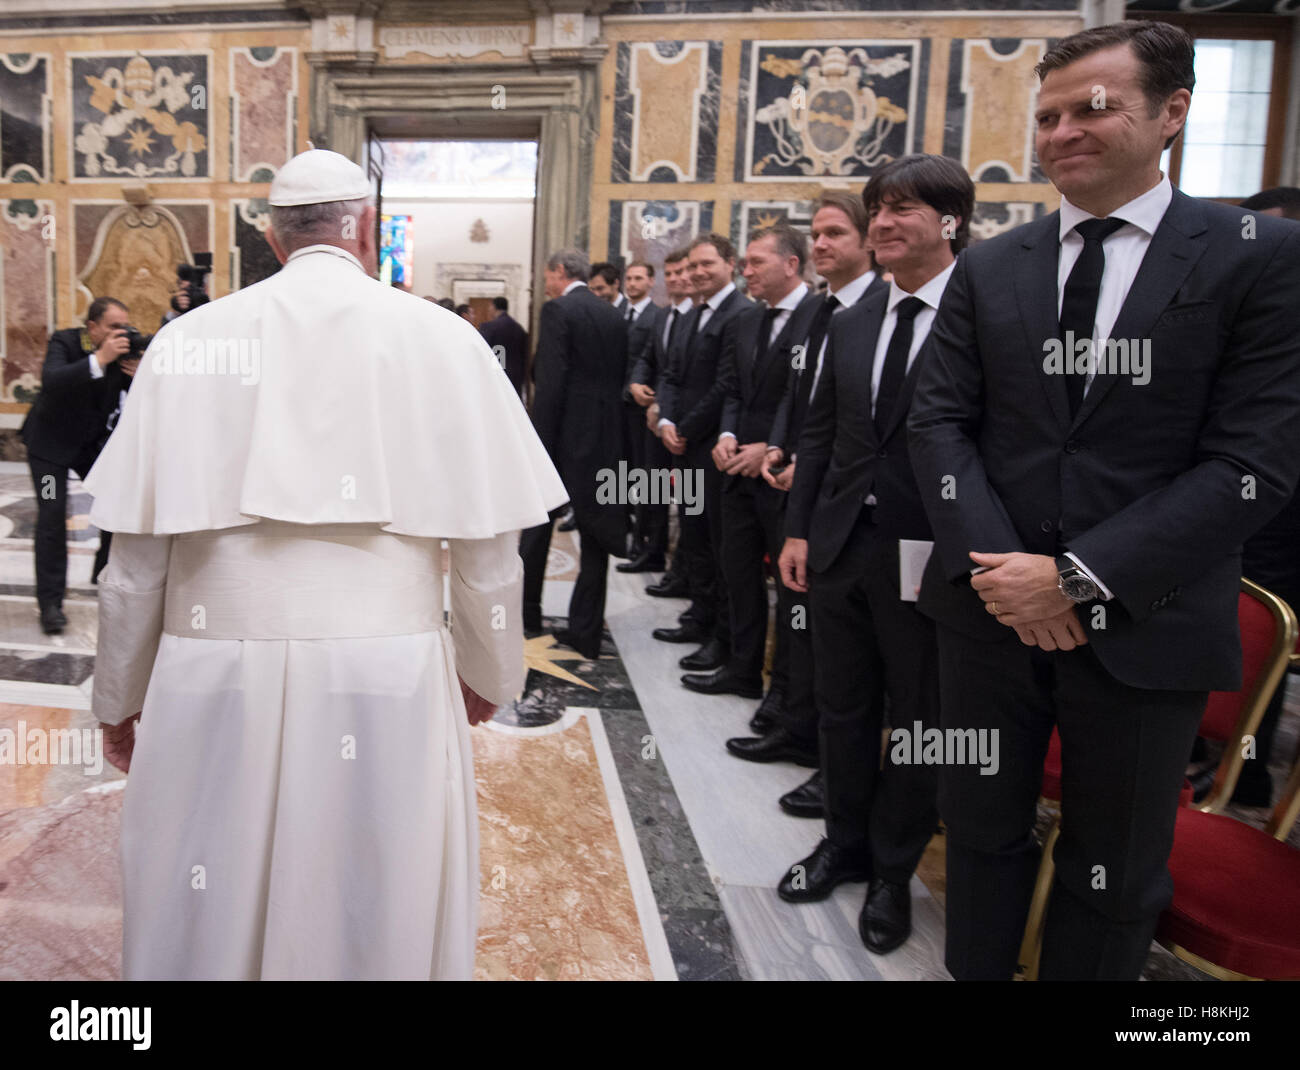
(912, 557)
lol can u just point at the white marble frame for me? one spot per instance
(450, 279)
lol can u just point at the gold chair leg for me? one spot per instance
(1031, 946)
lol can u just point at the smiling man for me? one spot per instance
(1088, 525)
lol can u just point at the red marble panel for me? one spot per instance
(264, 95)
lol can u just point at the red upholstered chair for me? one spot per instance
(1268, 641)
(1236, 908)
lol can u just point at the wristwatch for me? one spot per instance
(1074, 582)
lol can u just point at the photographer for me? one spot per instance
(86, 372)
(190, 289)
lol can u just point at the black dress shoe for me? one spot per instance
(777, 746)
(722, 682)
(566, 638)
(52, 619)
(816, 876)
(712, 655)
(642, 563)
(765, 717)
(886, 918)
(669, 587)
(807, 800)
(683, 633)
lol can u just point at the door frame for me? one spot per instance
(555, 107)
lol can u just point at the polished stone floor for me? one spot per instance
(619, 839)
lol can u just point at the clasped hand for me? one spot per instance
(1022, 591)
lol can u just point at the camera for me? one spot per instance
(138, 342)
(194, 275)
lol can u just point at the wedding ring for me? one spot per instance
(993, 608)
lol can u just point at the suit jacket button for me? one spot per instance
(881, 454)
(1046, 525)
(1072, 447)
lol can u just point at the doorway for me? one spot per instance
(458, 218)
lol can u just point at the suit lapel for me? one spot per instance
(862, 369)
(904, 401)
(1175, 248)
(1036, 293)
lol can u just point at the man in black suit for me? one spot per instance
(578, 413)
(1111, 406)
(757, 352)
(841, 254)
(644, 319)
(82, 381)
(647, 375)
(605, 281)
(509, 341)
(854, 498)
(690, 406)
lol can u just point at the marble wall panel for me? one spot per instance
(26, 293)
(252, 258)
(140, 116)
(749, 216)
(666, 101)
(831, 109)
(996, 217)
(650, 230)
(24, 133)
(263, 109)
(992, 93)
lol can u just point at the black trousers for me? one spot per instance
(1124, 754)
(751, 527)
(871, 645)
(587, 603)
(652, 517)
(51, 543)
(699, 541)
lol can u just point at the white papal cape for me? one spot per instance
(301, 799)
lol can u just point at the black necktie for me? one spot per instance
(765, 333)
(630, 314)
(895, 369)
(672, 329)
(1079, 303)
(803, 388)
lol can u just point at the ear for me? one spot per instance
(367, 246)
(274, 242)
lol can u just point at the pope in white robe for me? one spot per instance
(300, 801)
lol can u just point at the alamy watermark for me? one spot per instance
(946, 746)
(651, 486)
(1086, 356)
(53, 746)
(173, 354)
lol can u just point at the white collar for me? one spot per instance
(717, 299)
(639, 307)
(931, 292)
(1144, 212)
(685, 304)
(849, 293)
(333, 250)
(790, 300)
(573, 286)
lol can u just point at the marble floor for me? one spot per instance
(619, 839)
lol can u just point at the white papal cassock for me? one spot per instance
(301, 798)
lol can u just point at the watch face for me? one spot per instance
(1079, 588)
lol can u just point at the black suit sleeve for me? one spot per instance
(551, 374)
(643, 361)
(943, 429)
(815, 444)
(729, 378)
(781, 421)
(1247, 455)
(66, 367)
(670, 379)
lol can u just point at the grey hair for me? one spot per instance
(574, 263)
(311, 224)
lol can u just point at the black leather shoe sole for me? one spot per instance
(702, 661)
(680, 635)
(755, 750)
(708, 685)
(822, 890)
(640, 565)
(797, 805)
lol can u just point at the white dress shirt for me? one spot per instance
(847, 295)
(784, 308)
(681, 308)
(931, 293)
(707, 309)
(1125, 250)
(638, 308)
